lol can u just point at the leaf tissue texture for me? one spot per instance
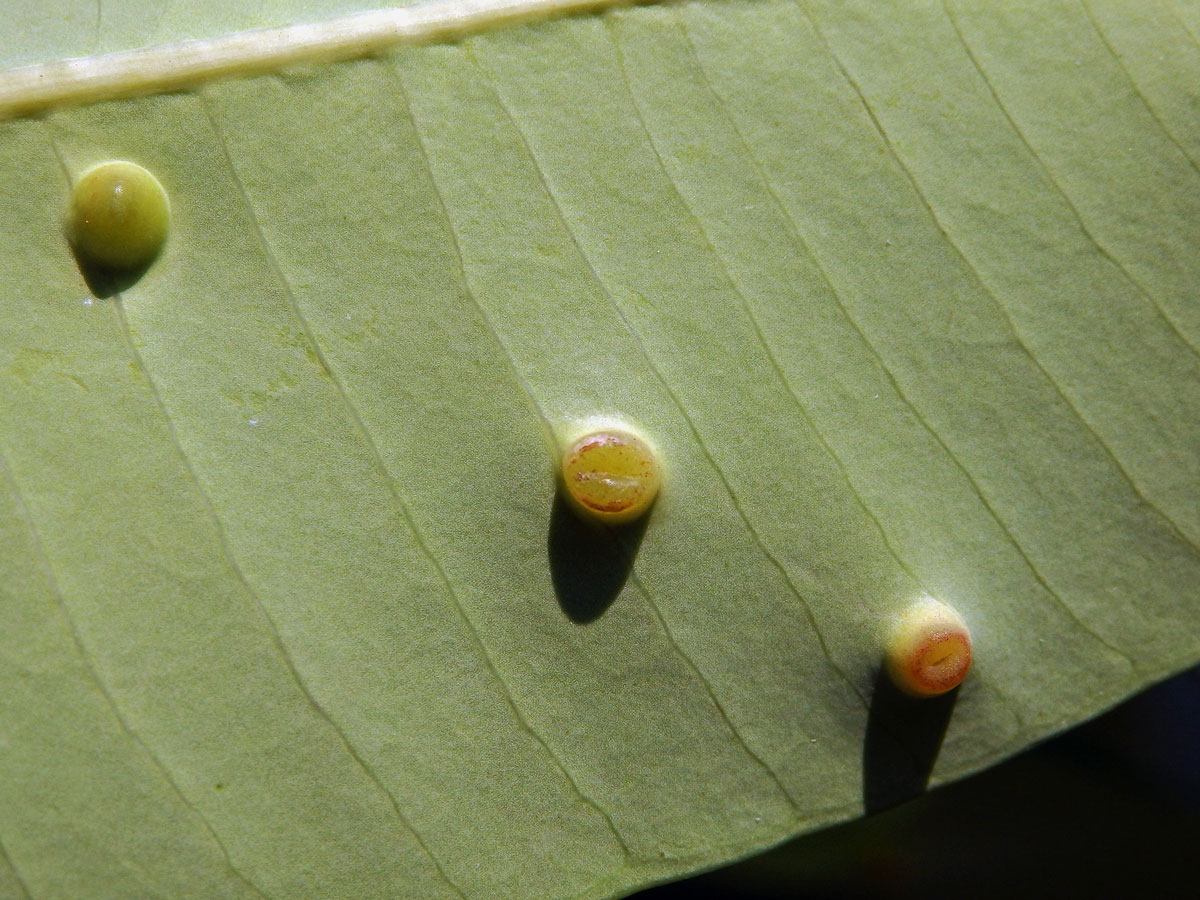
(905, 294)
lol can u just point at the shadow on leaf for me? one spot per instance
(904, 735)
(589, 563)
(105, 282)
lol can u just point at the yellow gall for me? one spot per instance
(611, 475)
(929, 649)
(119, 216)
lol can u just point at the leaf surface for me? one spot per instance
(905, 294)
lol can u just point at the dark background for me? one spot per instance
(1108, 809)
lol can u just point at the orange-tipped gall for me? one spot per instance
(611, 475)
(929, 649)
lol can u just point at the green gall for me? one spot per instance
(119, 217)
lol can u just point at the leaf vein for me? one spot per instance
(981, 282)
(227, 552)
(759, 332)
(80, 648)
(1137, 90)
(895, 385)
(987, 504)
(699, 675)
(792, 228)
(743, 300)
(465, 284)
(353, 413)
(1060, 190)
(1183, 24)
(793, 589)
(16, 873)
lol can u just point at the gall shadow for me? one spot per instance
(105, 282)
(904, 735)
(589, 562)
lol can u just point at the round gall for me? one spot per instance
(929, 651)
(119, 216)
(611, 476)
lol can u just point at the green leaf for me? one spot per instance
(905, 295)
